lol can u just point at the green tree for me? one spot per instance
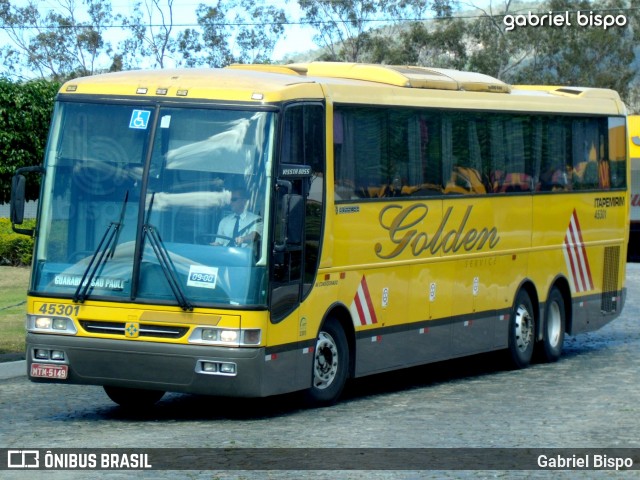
(263, 26)
(25, 114)
(150, 28)
(441, 45)
(347, 29)
(585, 56)
(215, 40)
(569, 55)
(234, 31)
(59, 46)
(494, 50)
(56, 45)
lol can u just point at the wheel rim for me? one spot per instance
(325, 366)
(554, 324)
(524, 328)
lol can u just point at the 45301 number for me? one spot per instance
(59, 309)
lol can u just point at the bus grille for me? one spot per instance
(608, 302)
(145, 330)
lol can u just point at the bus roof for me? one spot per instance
(206, 83)
(349, 83)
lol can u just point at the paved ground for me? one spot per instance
(590, 399)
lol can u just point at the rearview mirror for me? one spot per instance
(18, 198)
(16, 207)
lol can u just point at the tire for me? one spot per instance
(330, 365)
(549, 349)
(133, 398)
(521, 331)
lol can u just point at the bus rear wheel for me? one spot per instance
(330, 365)
(133, 398)
(549, 348)
(521, 331)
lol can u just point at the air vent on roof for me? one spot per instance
(408, 76)
(400, 76)
(571, 91)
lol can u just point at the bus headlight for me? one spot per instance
(59, 323)
(45, 324)
(229, 337)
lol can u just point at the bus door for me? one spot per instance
(297, 225)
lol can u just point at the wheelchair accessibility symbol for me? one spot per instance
(140, 119)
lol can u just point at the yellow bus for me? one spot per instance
(634, 154)
(263, 229)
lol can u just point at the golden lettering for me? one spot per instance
(402, 226)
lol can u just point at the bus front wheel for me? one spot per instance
(521, 331)
(330, 365)
(133, 398)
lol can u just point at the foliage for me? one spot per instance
(60, 46)
(238, 31)
(441, 46)
(150, 35)
(345, 29)
(25, 114)
(502, 51)
(56, 45)
(257, 40)
(568, 56)
(15, 249)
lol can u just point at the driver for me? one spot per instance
(241, 227)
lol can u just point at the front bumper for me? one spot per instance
(154, 366)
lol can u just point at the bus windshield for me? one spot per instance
(155, 204)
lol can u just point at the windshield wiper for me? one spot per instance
(104, 251)
(164, 260)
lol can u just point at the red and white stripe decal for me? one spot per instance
(362, 310)
(575, 256)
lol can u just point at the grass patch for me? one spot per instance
(14, 282)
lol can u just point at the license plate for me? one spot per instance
(42, 370)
